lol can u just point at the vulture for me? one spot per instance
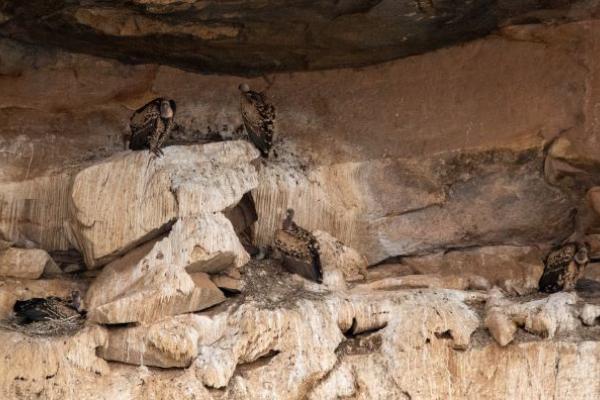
(151, 125)
(48, 308)
(299, 249)
(564, 266)
(258, 117)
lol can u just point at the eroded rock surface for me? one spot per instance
(289, 338)
(545, 317)
(460, 164)
(151, 281)
(25, 263)
(463, 165)
(130, 198)
(515, 269)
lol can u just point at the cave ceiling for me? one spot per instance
(253, 37)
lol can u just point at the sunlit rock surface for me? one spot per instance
(130, 198)
(152, 281)
(442, 153)
(447, 173)
(25, 263)
(289, 338)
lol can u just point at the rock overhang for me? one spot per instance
(253, 37)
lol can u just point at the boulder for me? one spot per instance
(169, 272)
(211, 244)
(589, 314)
(26, 263)
(132, 197)
(151, 282)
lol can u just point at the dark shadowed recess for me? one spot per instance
(250, 37)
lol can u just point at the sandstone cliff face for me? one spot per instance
(289, 339)
(457, 170)
(490, 143)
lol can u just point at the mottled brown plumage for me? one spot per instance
(48, 308)
(299, 248)
(151, 125)
(258, 117)
(564, 266)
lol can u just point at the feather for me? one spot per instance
(562, 269)
(259, 118)
(149, 127)
(300, 249)
(47, 308)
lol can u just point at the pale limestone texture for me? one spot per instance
(25, 263)
(129, 198)
(545, 317)
(462, 167)
(436, 156)
(287, 338)
(157, 278)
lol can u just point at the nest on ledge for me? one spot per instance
(55, 327)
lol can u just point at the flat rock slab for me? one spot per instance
(339, 263)
(132, 197)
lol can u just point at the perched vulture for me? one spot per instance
(151, 125)
(258, 117)
(299, 249)
(48, 308)
(563, 268)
